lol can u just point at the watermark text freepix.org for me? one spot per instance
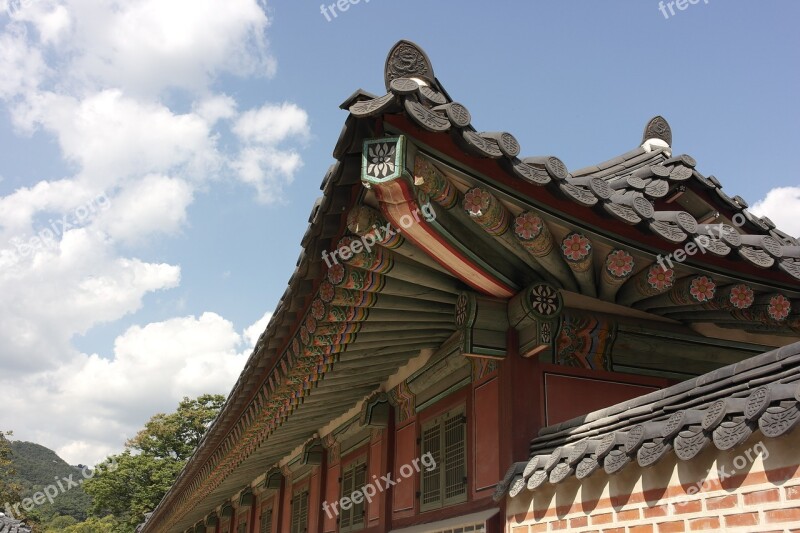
(47, 237)
(329, 11)
(699, 243)
(723, 473)
(378, 484)
(378, 233)
(61, 485)
(672, 4)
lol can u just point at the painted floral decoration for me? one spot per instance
(544, 300)
(318, 309)
(528, 226)
(741, 296)
(336, 274)
(381, 160)
(702, 289)
(619, 263)
(779, 307)
(576, 247)
(660, 279)
(311, 324)
(476, 201)
(326, 291)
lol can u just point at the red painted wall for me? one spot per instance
(404, 494)
(314, 500)
(569, 396)
(375, 467)
(486, 443)
(331, 495)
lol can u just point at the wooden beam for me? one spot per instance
(577, 249)
(649, 282)
(534, 314)
(483, 322)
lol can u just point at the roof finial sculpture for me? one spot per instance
(658, 128)
(407, 60)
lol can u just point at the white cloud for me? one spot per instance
(128, 91)
(271, 124)
(22, 65)
(262, 163)
(268, 170)
(216, 107)
(253, 332)
(92, 400)
(154, 204)
(781, 205)
(112, 137)
(146, 46)
(64, 288)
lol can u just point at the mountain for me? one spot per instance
(40, 470)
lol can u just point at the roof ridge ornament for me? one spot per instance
(657, 128)
(407, 60)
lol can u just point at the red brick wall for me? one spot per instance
(674, 496)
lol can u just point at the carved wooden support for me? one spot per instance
(247, 498)
(404, 400)
(577, 251)
(375, 411)
(483, 323)
(534, 313)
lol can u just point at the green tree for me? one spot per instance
(107, 524)
(177, 435)
(9, 491)
(151, 462)
(58, 523)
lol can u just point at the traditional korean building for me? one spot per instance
(476, 340)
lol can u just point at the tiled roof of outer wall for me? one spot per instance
(626, 187)
(722, 409)
(8, 525)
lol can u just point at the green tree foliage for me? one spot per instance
(151, 462)
(177, 435)
(9, 490)
(58, 523)
(107, 524)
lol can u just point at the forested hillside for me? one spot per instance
(37, 467)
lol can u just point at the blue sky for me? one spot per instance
(205, 128)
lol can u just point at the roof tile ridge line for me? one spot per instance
(279, 353)
(604, 166)
(555, 440)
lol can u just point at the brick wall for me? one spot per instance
(708, 493)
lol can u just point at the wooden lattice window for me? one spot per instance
(300, 512)
(354, 477)
(265, 526)
(445, 439)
